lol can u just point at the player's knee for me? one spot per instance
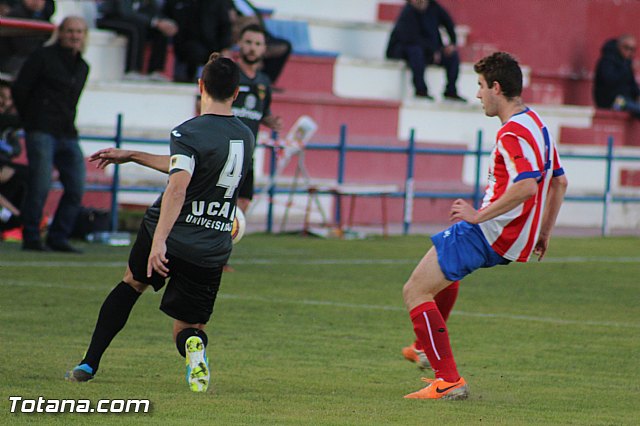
(136, 285)
(408, 291)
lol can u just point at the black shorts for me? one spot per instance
(192, 289)
(246, 189)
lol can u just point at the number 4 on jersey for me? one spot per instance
(232, 170)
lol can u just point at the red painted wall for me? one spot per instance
(559, 39)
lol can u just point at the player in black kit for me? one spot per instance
(185, 235)
(253, 104)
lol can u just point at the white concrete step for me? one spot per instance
(391, 80)
(351, 10)
(149, 107)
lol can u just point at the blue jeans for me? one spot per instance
(43, 152)
(417, 60)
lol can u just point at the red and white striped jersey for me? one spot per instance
(523, 149)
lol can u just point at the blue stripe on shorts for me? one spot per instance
(462, 248)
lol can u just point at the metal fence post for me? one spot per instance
(342, 158)
(115, 182)
(272, 180)
(607, 188)
(409, 189)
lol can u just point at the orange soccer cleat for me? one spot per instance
(439, 389)
(418, 356)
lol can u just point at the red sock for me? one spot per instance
(445, 301)
(431, 332)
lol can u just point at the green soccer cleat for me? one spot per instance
(197, 365)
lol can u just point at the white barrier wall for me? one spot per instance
(340, 10)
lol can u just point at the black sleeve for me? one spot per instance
(26, 81)
(447, 22)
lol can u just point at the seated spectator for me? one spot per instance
(141, 22)
(242, 14)
(14, 50)
(615, 86)
(13, 177)
(203, 28)
(416, 39)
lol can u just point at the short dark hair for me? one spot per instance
(254, 28)
(220, 76)
(503, 68)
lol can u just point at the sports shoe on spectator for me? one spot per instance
(418, 356)
(439, 389)
(454, 97)
(134, 76)
(159, 77)
(423, 95)
(62, 246)
(197, 365)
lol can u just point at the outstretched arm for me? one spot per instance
(554, 201)
(107, 156)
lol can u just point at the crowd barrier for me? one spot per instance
(407, 195)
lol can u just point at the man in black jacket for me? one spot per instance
(615, 85)
(416, 39)
(46, 94)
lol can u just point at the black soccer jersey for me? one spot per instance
(253, 101)
(216, 150)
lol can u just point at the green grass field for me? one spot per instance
(309, 332)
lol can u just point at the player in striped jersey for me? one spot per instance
(522, 200)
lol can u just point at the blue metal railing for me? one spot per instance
(408, 194)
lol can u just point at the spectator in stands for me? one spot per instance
(13, 177)
(243, 13)
(14, 50)
(203, 27)
(615, 85)
(416, 39)
(46, 94)
(141, 22)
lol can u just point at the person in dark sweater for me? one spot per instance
(615, 86)
(416, 39)
(46, 93)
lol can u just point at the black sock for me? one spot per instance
(181, 338)
(112, 318)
